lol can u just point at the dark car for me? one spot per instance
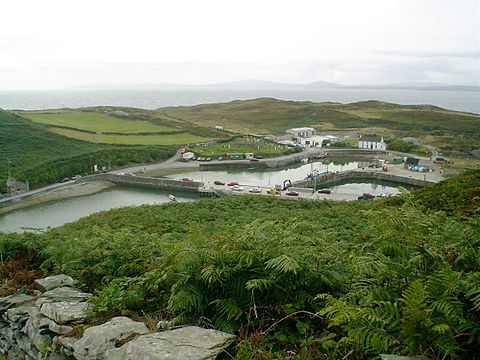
(364, 198)
(216, 182)
(292, 193)
(258, 157)
(324, 191)
(233, 183)
(367, 195)
(65, 179)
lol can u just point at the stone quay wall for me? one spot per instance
(145, 182)
(346, 175)
(50, 323)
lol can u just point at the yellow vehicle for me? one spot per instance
(275, 192)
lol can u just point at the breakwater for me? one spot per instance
(347, 175)
(145, 182)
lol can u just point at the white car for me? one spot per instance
(236, 188)
(255, 190)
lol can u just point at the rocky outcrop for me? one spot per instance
(42, 326)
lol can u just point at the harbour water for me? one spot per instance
(53, 214)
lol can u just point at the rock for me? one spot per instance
(14, 301)
(188, 343)
(65, 311)
(52, 282)
(98, 339)
(63, 294)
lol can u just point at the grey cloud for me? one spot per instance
(426, 54)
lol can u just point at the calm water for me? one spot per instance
(60, 212)
(268, 177)
(151, 99)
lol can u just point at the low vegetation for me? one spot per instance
(293, 279)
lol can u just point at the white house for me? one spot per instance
(373, 143)
(302, 132)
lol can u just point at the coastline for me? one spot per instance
(65, 192)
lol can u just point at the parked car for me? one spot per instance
(292, 193)
(65, 180)
(216, 182)
(233, 183)
(236, 188)
(208, 159)
(324, 191)
(274, 192)
(76, 177)
(364, 198)
(258, 157)
(253, 159)
(186, 179)
(255, 190)
(367, 195)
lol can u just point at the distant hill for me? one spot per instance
(268, 115)
(272, 85)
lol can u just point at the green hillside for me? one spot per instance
(115, 125)
(293, 279)
(29, 151)
(266, 115)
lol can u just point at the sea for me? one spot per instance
(466, 101)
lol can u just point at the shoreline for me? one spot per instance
(65, 192)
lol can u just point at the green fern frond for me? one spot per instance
(284, 264)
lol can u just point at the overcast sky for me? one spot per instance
(58, 43)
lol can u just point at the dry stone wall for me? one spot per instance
(41, 325)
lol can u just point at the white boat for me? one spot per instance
(172, 197)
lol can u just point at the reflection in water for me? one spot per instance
(267, 177)
(60, 212)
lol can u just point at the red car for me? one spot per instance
(253, 159)
(186, 179)
(367, 195)
(216, 182)
(233, 183)
(292, 193)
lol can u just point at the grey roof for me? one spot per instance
(370, 138)
(412, 161)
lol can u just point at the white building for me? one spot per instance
(373, 143)
(304, 132)
(314, 141)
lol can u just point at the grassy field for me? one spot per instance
(242, 144)
(30, 152)
(173, 139)
(96, 122)
(266, 115)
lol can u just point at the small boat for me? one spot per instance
(172, 197)
(320, 156)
